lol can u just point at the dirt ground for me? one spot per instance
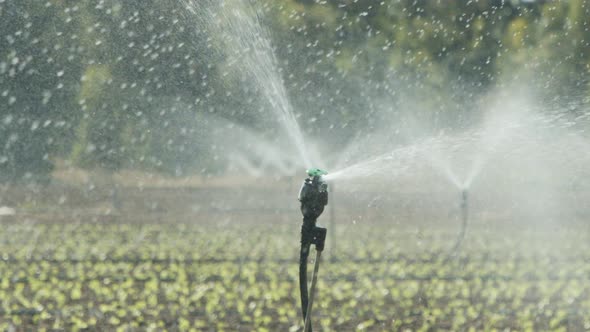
(132, 196)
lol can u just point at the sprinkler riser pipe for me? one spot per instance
(464, 221)
(313, 197)
(464, 206)
(314, 279)
(464, 198)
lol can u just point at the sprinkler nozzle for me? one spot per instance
(313, 172)
(313, 194)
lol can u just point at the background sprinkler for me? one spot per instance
(313, 197)
(464, 220)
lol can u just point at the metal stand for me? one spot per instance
(464, 221)
(314, 280)
(313, 197)
(310, 234)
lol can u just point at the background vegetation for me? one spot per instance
(113, 84)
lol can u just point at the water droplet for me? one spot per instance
(8, 119)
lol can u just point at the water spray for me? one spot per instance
(313, 197)
(464, 221)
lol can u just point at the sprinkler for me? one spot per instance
(313, 197)
(464, 220)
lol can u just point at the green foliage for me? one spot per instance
(111, 276)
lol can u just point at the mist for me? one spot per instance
(181, 165)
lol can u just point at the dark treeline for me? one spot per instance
(132, 84)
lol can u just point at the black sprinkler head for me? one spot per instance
(313, 196)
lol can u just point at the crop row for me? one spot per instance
(261, 298)
(178, 277)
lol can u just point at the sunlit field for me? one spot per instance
(230, 267)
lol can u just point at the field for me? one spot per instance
(216, 258)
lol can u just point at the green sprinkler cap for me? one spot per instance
(312, 172)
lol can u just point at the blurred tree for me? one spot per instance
(37, 81)
(136, 57)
